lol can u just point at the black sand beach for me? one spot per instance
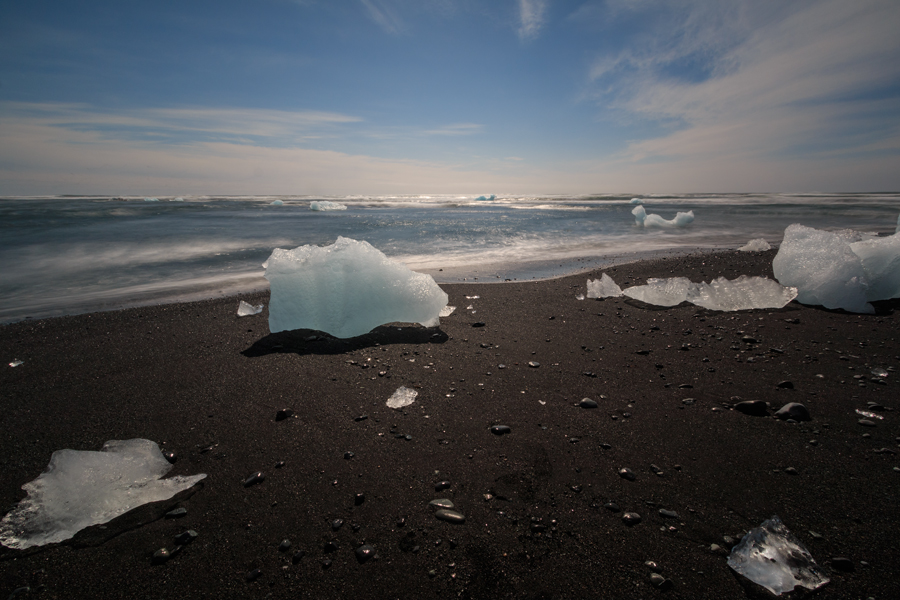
(207, 385)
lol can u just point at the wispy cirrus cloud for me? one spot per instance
(457, 129)
(384, 15)
(532, 15)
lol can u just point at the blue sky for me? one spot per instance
(448, 96)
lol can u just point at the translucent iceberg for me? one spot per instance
(652, 220)
(824, 268)
(756, 245)
(485, 198)
(402, 397)
(84, 488)
(661, 292)
(246, 309)
(347, 289)
(604, 287)
(636, 201)
(326, 205)
(743, 293)
(772, 557)
(880, 258)
(276, 203)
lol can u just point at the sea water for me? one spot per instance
(74, 254)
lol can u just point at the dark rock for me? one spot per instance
(364, 553)
(612, 507)
(284, 546)
(186, 537)
(279, 464)
(866, 423)
(587, 403)
(754, 408)
(785, 385)
(284, 413)
(842, 564)
(326, 563)
(348, 455)
(176, 513)
(361, 418)
(171, 457)
(254, 575)
(254, 479)
(669, 514)
(450, 516)
(298, 556)
(795, 411)
(500, 429)
(478, 324)
(791, 471)
(160, 557)
(331, 546)
(359, 499)
(534, 364)
(626, 473)
(441, 486)
(337, 524)
(631, 518)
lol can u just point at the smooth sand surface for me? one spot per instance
(207, 385)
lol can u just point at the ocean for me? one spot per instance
(74, 254)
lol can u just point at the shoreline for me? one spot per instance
(205, 384)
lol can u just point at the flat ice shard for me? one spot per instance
(743, 293)
(772, 557)
(84, 488)
(402, 397)
(245, 309)
(756, 245)
(604, 287)
(326, 205)
(447, 311)
(652, 220)
(661, 292)
(347, 289)
(824, 268)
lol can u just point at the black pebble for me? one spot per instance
(160, 556)
(186, 537)
(284, 546)
(298, 556)
(348, 455)
(587, 403)
(359, 499)
(631, 518)
(754, 408)
(612, 506)
(254, 479)
(331, 546)
(626, 473)
(337, 524)
(254, 574)
(171, 457)
(478, 324)
(326, 563)
(500, 429)
(284, 413)
(279, 464)
(785, 385)
(842, 564)
(441, 486)
(364, 553)
(361, 418)
(176, 513)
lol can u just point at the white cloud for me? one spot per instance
(457, 129)
(531, 18)
(383, 15)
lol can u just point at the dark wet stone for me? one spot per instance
(866, 423)
(612, 507)
(500, 429)
(171, 457)
(643, 352)
(441, 486)
(588, 403)
(326, 563)
(685, 386)
(842, 564)
(749, 339)
(795, 411)
(176, 513)
(450, 516)
(348, 455)
(298, 556)
(626, 473)
(656, 579)
(754, 408)
(785, 385)
(442, 503)
(279, 464)
(337, 524)
(364, 553)
(605, 446)
(361, 418)
(534, 364)
(284, 546)
(669, 514)
(160, 557)
(631, 518)
(186, 537)
(478, 324)
(791, 471)
(359, 499)
(254, 479)
(688, 401)
(331, 546)
(284, 413)
(254, 575)
(654, 568)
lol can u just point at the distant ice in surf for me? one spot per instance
(604, 287)
(245, 309)
(177, 199)
(323, 205)
(642, 219)
(486, 198)
(756, 245)
(151, 199)
(347, 289)
(84, 488)
(276, 203)
(636, 201)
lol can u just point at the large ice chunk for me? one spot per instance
(743, 293)
(653, 220)
(347, 289)
(661, 292)
(772, 557)
(326, 205)
(756, 245)
(880, 258)
(84, 488)
(823, 267)
(604, 287)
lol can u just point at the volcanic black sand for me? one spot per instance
(207, 385)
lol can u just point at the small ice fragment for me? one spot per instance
(323, 205)
(604, 287)
(868, 414)
(16, 363)
(636, 201)
(662, 292)
(772, 557)
(246, 309)
(879, 372)
(402, 397)
(743, 293)
(83, 488)
(579, 297)
(756, 245)
(472, 297)
(642, 219)
(276, 203)
(447, 311)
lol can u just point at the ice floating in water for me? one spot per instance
(402, 397)
(486, 198)
(841, 269)
(84, 488)
(326, 205)
(347, 289)
(757, 245)
(772, 557)
(743, 293)
(447, 311)
(276, 203)
(16, 363)
(644, 220)
(177, 199)
(246, 309)
(151, 199)
(604, 287)
(636, 201)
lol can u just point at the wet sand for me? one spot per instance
(207, 385)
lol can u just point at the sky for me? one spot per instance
(335, 97)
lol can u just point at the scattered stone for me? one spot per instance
(587, 403)
(186, 537)
(688, 401)
(364, 553)
(669, 514)
(160, 557)
(450, 516)
(279, 464)
(659, 581)
(441, 486)
(284, 546)
(284, 413)
(612, 507)
(795, 411)
(254, 575)
(171, 457)
(442, 503)
(359, 499)
(626, 473)
(326, 563)
(478, 324)
(533, 364)
(337, 524)
(500, 429)
(654, 568)
(754, 408)
(176, 513)
(361, 418)
(631, 518)
(785, 385)
(298, 556)
(348, 455)
(866, 423)
(791, 471)
(842, 564)
(331, 546)
(254, 479)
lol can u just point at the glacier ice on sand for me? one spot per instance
(402, 397)
(772, 557)
(347, 289)
(661, 292)
(84, 488)
(742, 293)
(756, 245)
(245, 309)
(604, 287)
(643, 219)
